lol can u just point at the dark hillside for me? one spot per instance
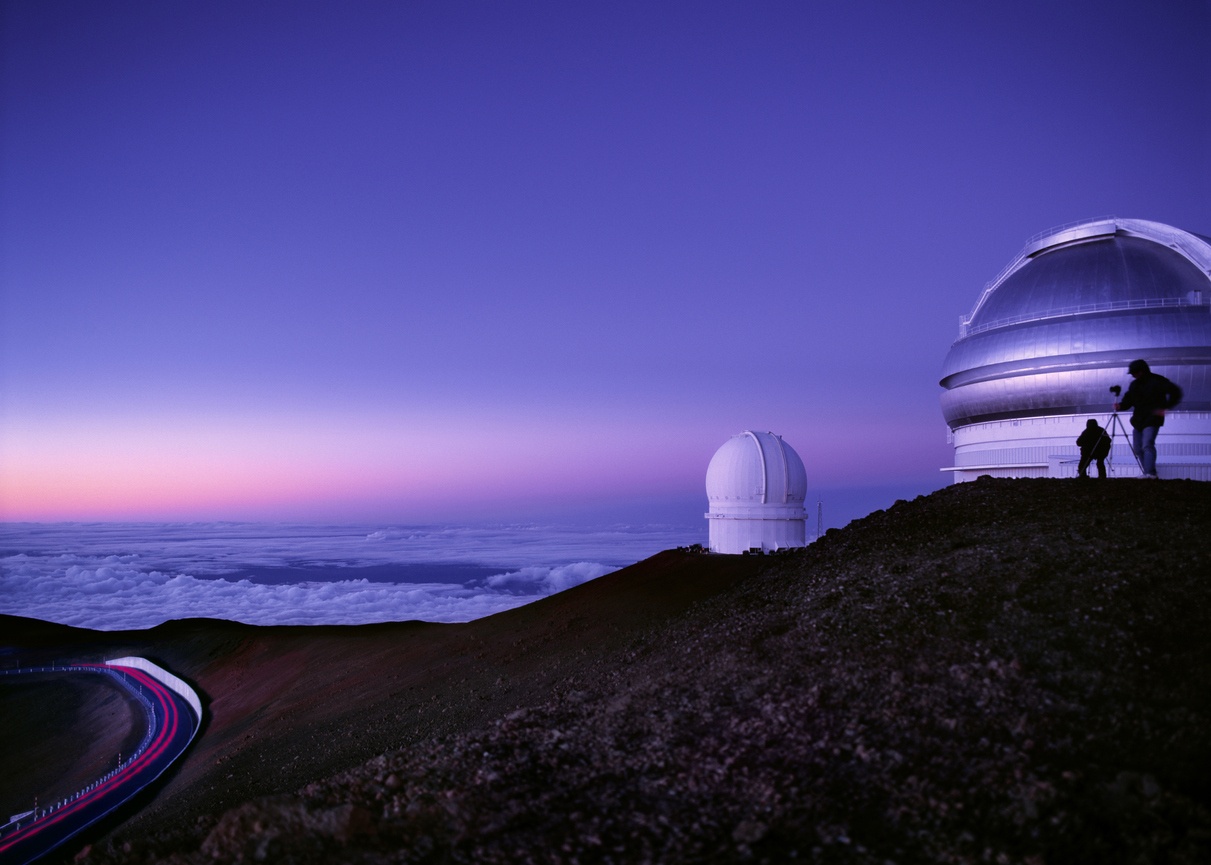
(288, 704)
(41, 748)
(1004, 671)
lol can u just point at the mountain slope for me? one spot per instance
(288, 704)
(1003, 671)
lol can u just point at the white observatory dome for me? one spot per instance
(755, 486)
(1050, 336)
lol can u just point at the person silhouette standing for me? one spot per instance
(1148, 397)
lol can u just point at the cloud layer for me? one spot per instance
(115, 576)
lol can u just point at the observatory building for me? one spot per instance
(1050, 336)
(755, 485)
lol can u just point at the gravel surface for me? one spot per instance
(1003, 671)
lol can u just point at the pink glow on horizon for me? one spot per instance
(381, 466)
(226, 470)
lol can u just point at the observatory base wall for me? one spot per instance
(1046, 447)
(734, 536)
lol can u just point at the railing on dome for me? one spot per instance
(1014, 264)
(1060, 229)
(1145, 303)
(1174, 239)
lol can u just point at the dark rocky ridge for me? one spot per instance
(1004, 671)
(288, 704)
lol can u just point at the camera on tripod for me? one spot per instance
(1116, 423)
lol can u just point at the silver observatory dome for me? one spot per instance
(1057, 328)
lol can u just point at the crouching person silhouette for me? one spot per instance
(1094, 443)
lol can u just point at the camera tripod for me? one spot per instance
(1116, 421)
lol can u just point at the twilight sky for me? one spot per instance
(451, 261)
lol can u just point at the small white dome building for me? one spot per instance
(756, 485)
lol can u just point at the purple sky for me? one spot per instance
(444, 261)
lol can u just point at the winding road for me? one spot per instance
(172, 721)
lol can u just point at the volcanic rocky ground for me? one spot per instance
(1002, 671)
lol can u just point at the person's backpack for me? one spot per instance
(1101, 450)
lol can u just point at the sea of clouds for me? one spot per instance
(113, 576)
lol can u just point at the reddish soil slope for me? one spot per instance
(285, 704)
(1003, 671)
(58, 733)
